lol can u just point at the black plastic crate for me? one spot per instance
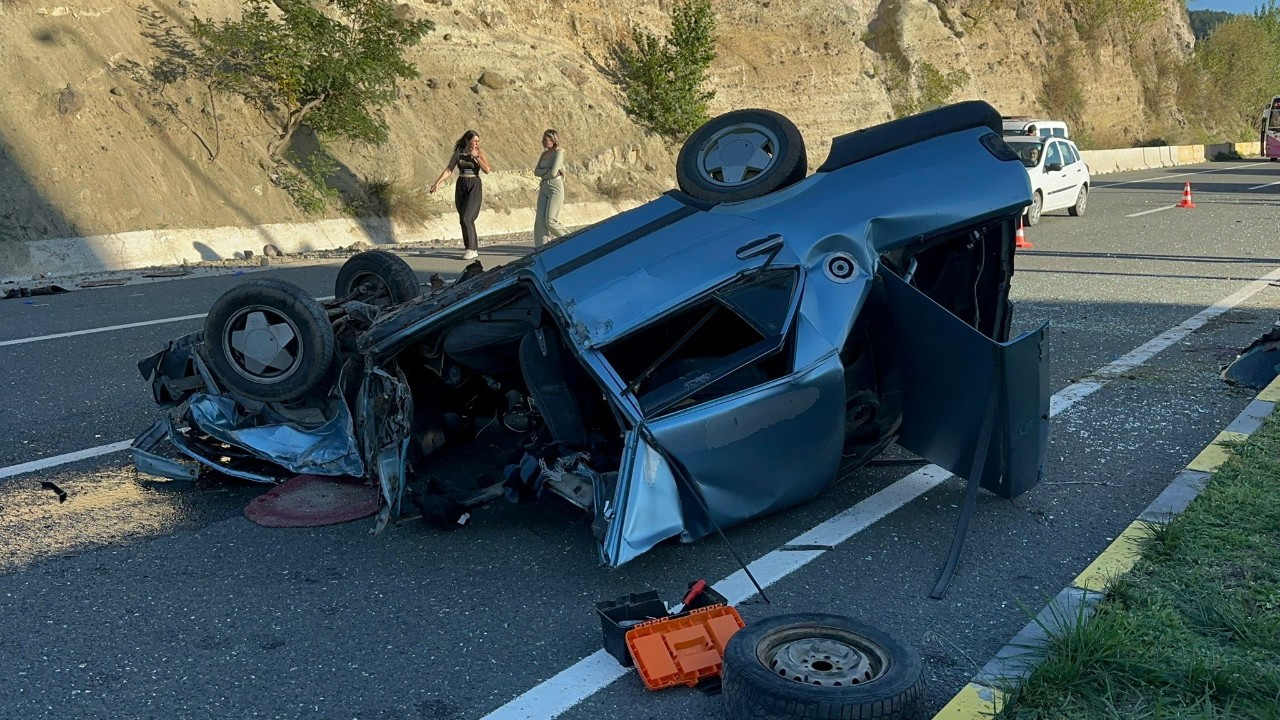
(619, 616)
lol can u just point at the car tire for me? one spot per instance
(388, 279)
(268, 340)
(782, 668)
(766, 150)
(1082, 202)
(1036, 210)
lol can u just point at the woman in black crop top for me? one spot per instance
(468, 192)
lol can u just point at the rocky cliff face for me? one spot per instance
(99, 133)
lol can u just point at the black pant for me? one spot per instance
(467, 196)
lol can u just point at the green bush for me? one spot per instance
(332, 67)
(663, 79)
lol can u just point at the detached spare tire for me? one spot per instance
(383, 279)
(741, 155)
(811, 666)
(268, 340)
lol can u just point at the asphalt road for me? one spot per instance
(140, 598)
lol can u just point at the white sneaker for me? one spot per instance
(470, 255)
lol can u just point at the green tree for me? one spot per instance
(1235, 72)
(664, 78)
(331, 70)
(1204, 21)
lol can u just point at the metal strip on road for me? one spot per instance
(1166, 177)
(1148, 212)
(597, 671)
(1267, 185)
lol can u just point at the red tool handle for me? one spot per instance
(694, 592)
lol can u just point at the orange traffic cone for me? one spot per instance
(1020, 240)
(1186, 197)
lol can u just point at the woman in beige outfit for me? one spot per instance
(550, 191)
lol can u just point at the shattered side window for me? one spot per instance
(728, 341)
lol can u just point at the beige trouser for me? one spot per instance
(547, 222)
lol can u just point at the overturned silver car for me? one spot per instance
(722, 352)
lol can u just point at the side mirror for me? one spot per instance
(1053, 167)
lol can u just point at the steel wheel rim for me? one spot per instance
(263, 344)
(1034, 215)
(379, 292)
(1083, 200)
(737, 155)
(824, 657)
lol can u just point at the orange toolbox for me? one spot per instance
(685, 649)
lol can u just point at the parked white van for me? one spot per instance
(1022, 126)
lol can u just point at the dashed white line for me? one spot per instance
(1148, 212)
(1266, 185)
(597, 671)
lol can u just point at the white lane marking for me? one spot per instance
(597, 671)
(91, 331)
(110, 328)
(1165, 177)
(1267, 185)
(1148, 212)
(63, 459)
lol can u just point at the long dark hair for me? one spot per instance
(462, 141)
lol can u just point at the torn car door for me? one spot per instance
(949, 370)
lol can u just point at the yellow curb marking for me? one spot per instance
(972, 703)
(1216, 452)
(1270, 393)
(1117, 559)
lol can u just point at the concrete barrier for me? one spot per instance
(59, 257)
(1103, 162)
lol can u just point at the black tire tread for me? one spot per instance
(391, 268)
(753, 693)
(793, 168)
(312, 321)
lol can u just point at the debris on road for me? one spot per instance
(23, 292)
(62, 494)
(1258, 364)
(105, 282)
(309, 501)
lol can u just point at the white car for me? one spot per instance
(1059, 177)
(1023, 126)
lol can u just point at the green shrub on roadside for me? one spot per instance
(664, 79)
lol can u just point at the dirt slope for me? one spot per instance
(98, 136)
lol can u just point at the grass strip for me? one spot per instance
(1193, 631)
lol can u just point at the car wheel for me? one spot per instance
(741, 155)
(379, 277)
(1082, 201)
(820, 666)
(268, 340)
(1037, 206)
